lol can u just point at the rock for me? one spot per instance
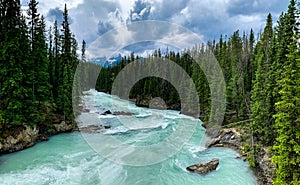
(106, 112)
(212, 142)
(63, 127)
(43, 137)
(204, 167)
(90, 129)
(122, 113)
(143, 101)
(24, 139)
(175, 106)
(85, 110)
(226, 137)
(107, 127)
(267, 170)
(241, 156)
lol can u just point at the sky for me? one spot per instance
(92, 19)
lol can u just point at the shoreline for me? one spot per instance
(231, 138)
(27, 137)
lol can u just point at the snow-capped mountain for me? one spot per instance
(104, 62)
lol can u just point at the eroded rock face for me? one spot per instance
(24, 139)
(226, 138)
(204, 167)
(63, 127)
(29, 136)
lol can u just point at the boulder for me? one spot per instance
(204, 167)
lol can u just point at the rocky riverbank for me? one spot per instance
(25, 137)
(231, 138)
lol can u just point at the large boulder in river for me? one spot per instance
(204, 167)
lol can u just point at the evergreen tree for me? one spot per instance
(67, 67)
(262, 117)
(15, 64)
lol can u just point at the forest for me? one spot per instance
(261, 71)
(37, 69)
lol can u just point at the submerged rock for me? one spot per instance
(204, 167)
(90, 129)
(122, 113)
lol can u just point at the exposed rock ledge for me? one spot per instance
(29, 136)
(226, 138)
(204, 167)
(231, 138)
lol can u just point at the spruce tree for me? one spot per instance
(15, 65)
(262, 117)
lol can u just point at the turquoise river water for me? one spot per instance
(71, 158)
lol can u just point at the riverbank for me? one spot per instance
(234, 138)
(24, 137)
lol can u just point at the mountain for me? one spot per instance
(104, 62)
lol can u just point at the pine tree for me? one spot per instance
(262, 117)
(14, 59)
(56, 63)
(67, 65)
(33, 21)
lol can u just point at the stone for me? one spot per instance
(90, 129)
(24, 139)
(63, 127)
(212, 142)
(204, 167)
(106, 112)
(122, 113)
(227, 138)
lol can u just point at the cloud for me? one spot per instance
(93, 18)
(55, 14)
(143, 35)
(246, 7)
(140, 11)
(103, 27)
(207, 18)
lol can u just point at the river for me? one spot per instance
(82, 158)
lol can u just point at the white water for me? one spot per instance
(68, 159)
